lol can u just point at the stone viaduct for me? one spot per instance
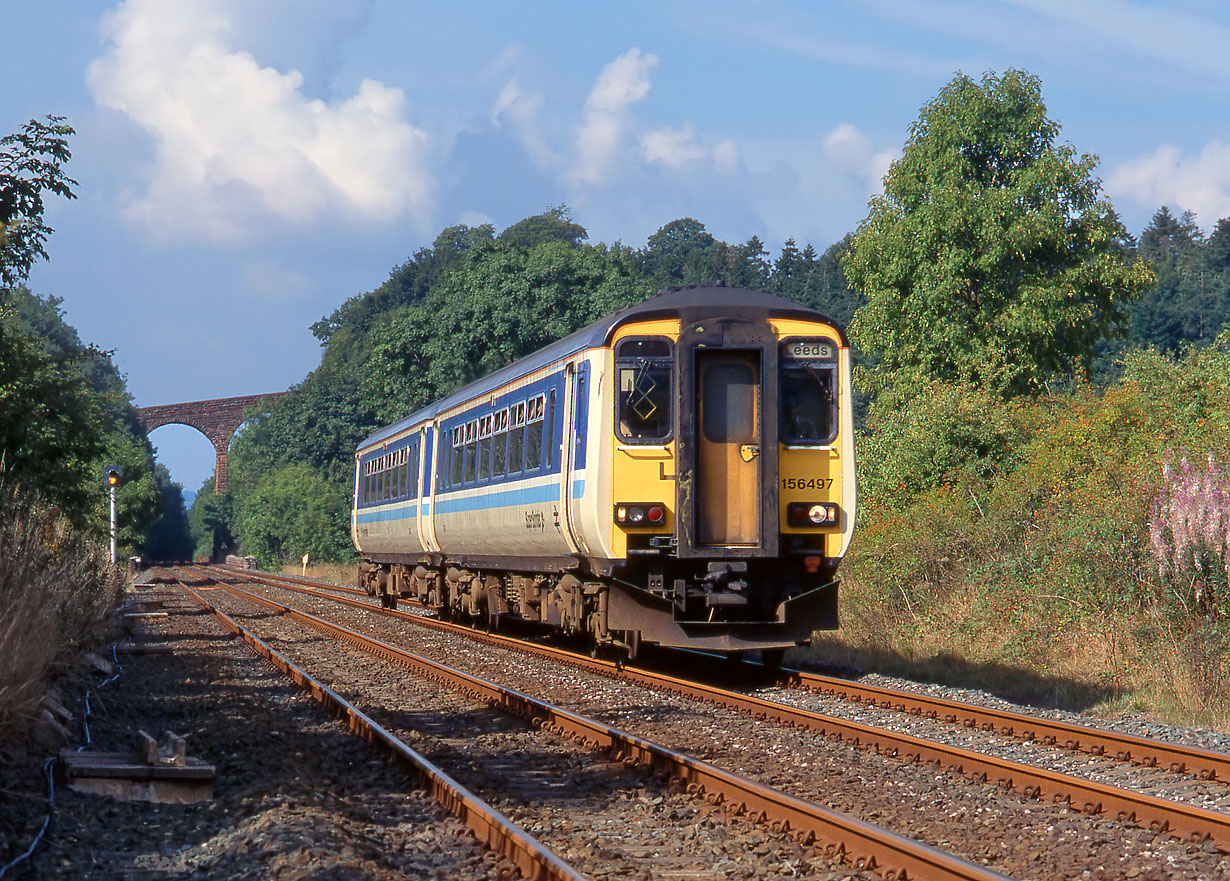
(217, 420)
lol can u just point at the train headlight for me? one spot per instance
(812, 514)
(640, 514)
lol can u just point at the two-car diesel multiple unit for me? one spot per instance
(679, 473)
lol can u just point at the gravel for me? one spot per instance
(296, 797)
(983, 823)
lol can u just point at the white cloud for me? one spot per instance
(672, 147)
(622, 83)
(237, 142)
(849, 150)
(1167, 177)
(678, 147)
(523, 111)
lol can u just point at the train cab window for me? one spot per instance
(644, 368)
(808, 400)
(516, 438)
(533, 433)
(499, 448)
(484, 447)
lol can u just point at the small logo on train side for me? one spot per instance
(809, 349)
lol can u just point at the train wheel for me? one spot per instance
(772, 658)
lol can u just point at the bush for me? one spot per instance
(295, 511)
(1046, 534)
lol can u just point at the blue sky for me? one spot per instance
(247, 165)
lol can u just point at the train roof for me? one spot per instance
(670, 302)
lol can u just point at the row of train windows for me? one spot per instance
(518, 439)
(391, 476)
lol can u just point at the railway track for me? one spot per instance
(1177, 758)
(1113, 802)
(788, 818)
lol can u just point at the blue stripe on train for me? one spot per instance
(401, 512)
(507, 499)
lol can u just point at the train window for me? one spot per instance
(499, 448)
(459, 442)
(412, 488)
(808, 399)
(516, 438)
(551, 431)
(533, 433)
(729, 408)
(645, 347)
(471, 449)
(484, 447)
(644, 371)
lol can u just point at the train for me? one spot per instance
(679, 473)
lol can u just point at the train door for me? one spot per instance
(574, 411)
(729, 424)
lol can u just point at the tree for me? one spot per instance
(553, 225)
(681, 252)
(991, 256)
(31, 163)
(501, 304)
(294, 511)
(1217, 250)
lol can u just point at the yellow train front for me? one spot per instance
(696, 486)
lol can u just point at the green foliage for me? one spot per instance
(31, 164)
(991, 257)
(294, 511)
(918, 438)
(500, 304)
(553, 225)
(211, 520)
(1022, 543)
(65, 414)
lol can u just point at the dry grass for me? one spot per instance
(1092, 665)
(337, 573)
(57, 596)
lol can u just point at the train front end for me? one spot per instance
(732, 473)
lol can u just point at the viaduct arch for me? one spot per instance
(217, 420)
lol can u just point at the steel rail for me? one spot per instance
(842, 837)
(1151, 812)
(533, 860)
(1179, 758)
(1203, 763)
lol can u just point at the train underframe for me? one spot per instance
(730, 606)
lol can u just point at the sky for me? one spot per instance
(245, 166)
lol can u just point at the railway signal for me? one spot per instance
(112, 476)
